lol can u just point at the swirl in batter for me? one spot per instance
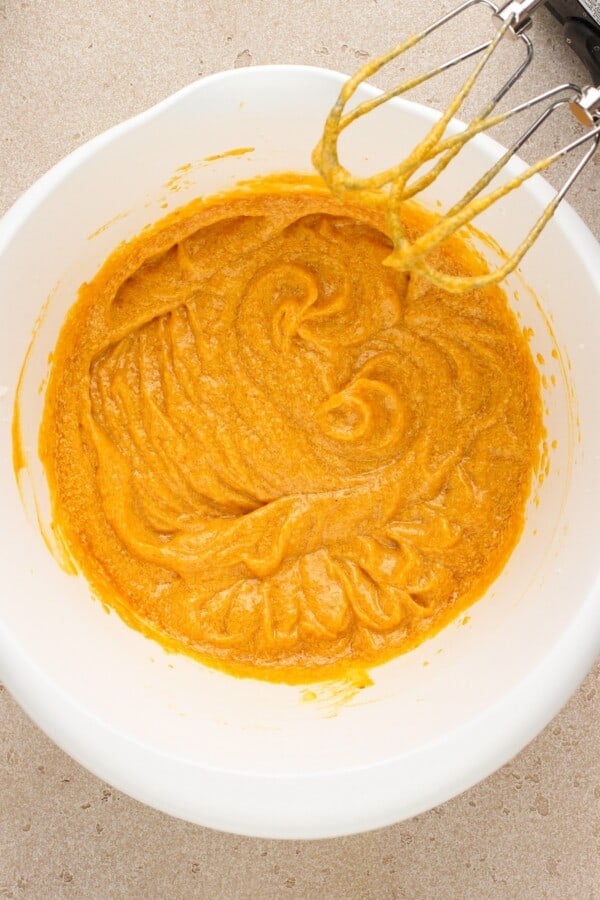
(269, 449)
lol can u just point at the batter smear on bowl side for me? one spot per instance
(268, 449)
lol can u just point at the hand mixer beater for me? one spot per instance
(435, 151)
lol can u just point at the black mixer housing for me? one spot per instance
(581, 28)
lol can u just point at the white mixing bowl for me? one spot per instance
(242, 755)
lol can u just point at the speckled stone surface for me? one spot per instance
(68, 70)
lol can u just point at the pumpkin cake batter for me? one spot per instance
(268, 449)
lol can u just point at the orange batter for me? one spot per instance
(268, 449)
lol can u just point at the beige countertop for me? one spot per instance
(69, 70)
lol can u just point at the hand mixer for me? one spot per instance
(439, 147)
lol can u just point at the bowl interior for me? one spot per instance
(53, 635)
